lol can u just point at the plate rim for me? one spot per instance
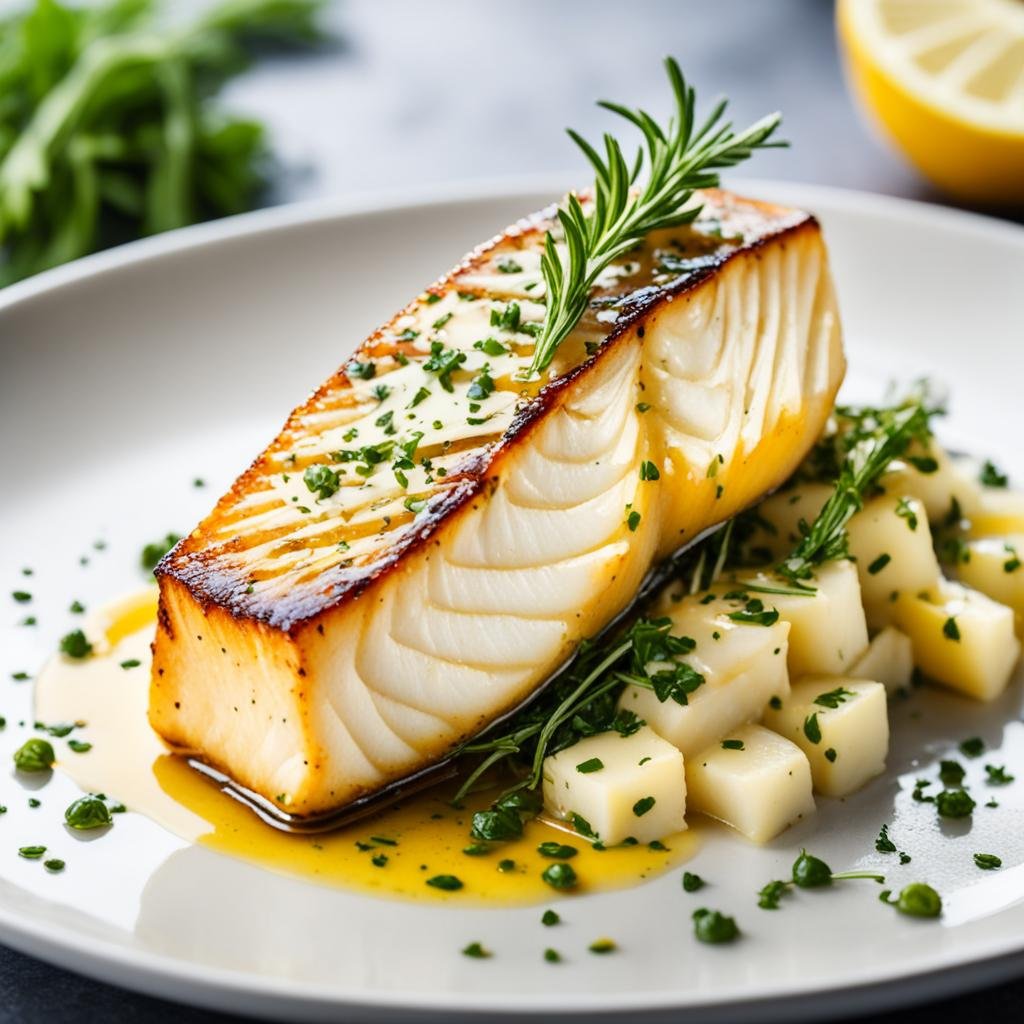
(152, 973)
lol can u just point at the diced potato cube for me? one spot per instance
(961, 638)
(892, 543)
(936, 488)
(621, 785)
(841, 724)
(995, 566)
(777, 530)
(743, 665)
(759, 789)
(1000, 512)
(889, 660)
(828, 631)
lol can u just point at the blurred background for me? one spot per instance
(128, 117)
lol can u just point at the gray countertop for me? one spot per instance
(418, 93)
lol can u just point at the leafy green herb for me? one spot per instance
(34, 755)
(88, 812)
(321, 481)
(973, 747)
(954, 803)
(951, 773)
(692, 882)
(998, 775)
(75, 644)
(643, 805)
(444, 362)
(732, 744)
(107, 129)
(449, 883)
(679, 159)
(714, 927)
(509, 266)
(21, 596)
(950, 630)
(988, 861)
(915, 900)
(906, 511)
(557, 851)
(883, 844)
(833, 698)
(811, 728)
(79, 746)
(926, 464)
(31, 852)
(593, 764)
(552, 956)
(649, 471)
(550, 918)
(155, 550)
(476, 951)
(54, 864)
(771, 894)
(831, 755)
(560, 876)
(633, 521)
(755, 613)
(879, 564)
(991, 476)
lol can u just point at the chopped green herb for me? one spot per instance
(954, 803)
(998, 775)
(692, 882)
(560, 876)
(593, 764)
(831, 755)
(130, 663)
(476, 951)
(321, 481)
(643, 805)
(811, 728)
(76, 608)
(771, 894)
(557, 851)
(834, 698)
(988, 861)
(509, 266)
(79, 746)
(449, 883)
(950, 630)
(88, 812)
(713, 927)
(883, 844)
(633, 521)
(361, 371)
(21, 596)
(991, 476)
(602, 946)
(34, 755)
(649, 471)
(973, 747)
(732, 744)
(550, 918)
(552, 956)
(755, 613)
(54, 865)
(31, 852)
(879, 564)
(951, 773)
(155, 550)
(906, 511)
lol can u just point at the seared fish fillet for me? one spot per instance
(428, 538)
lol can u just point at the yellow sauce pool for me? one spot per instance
(390, 854)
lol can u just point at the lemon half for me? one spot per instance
(945, 80)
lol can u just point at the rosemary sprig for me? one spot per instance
(865, 442)
(680, 159)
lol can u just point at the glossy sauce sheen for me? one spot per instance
(130, 762)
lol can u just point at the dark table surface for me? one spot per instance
(416, 93)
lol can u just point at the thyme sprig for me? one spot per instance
(680, 159)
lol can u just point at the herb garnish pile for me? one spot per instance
(107, 126)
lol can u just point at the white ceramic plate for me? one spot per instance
(124, 376)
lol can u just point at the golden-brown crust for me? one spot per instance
(192, 565)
